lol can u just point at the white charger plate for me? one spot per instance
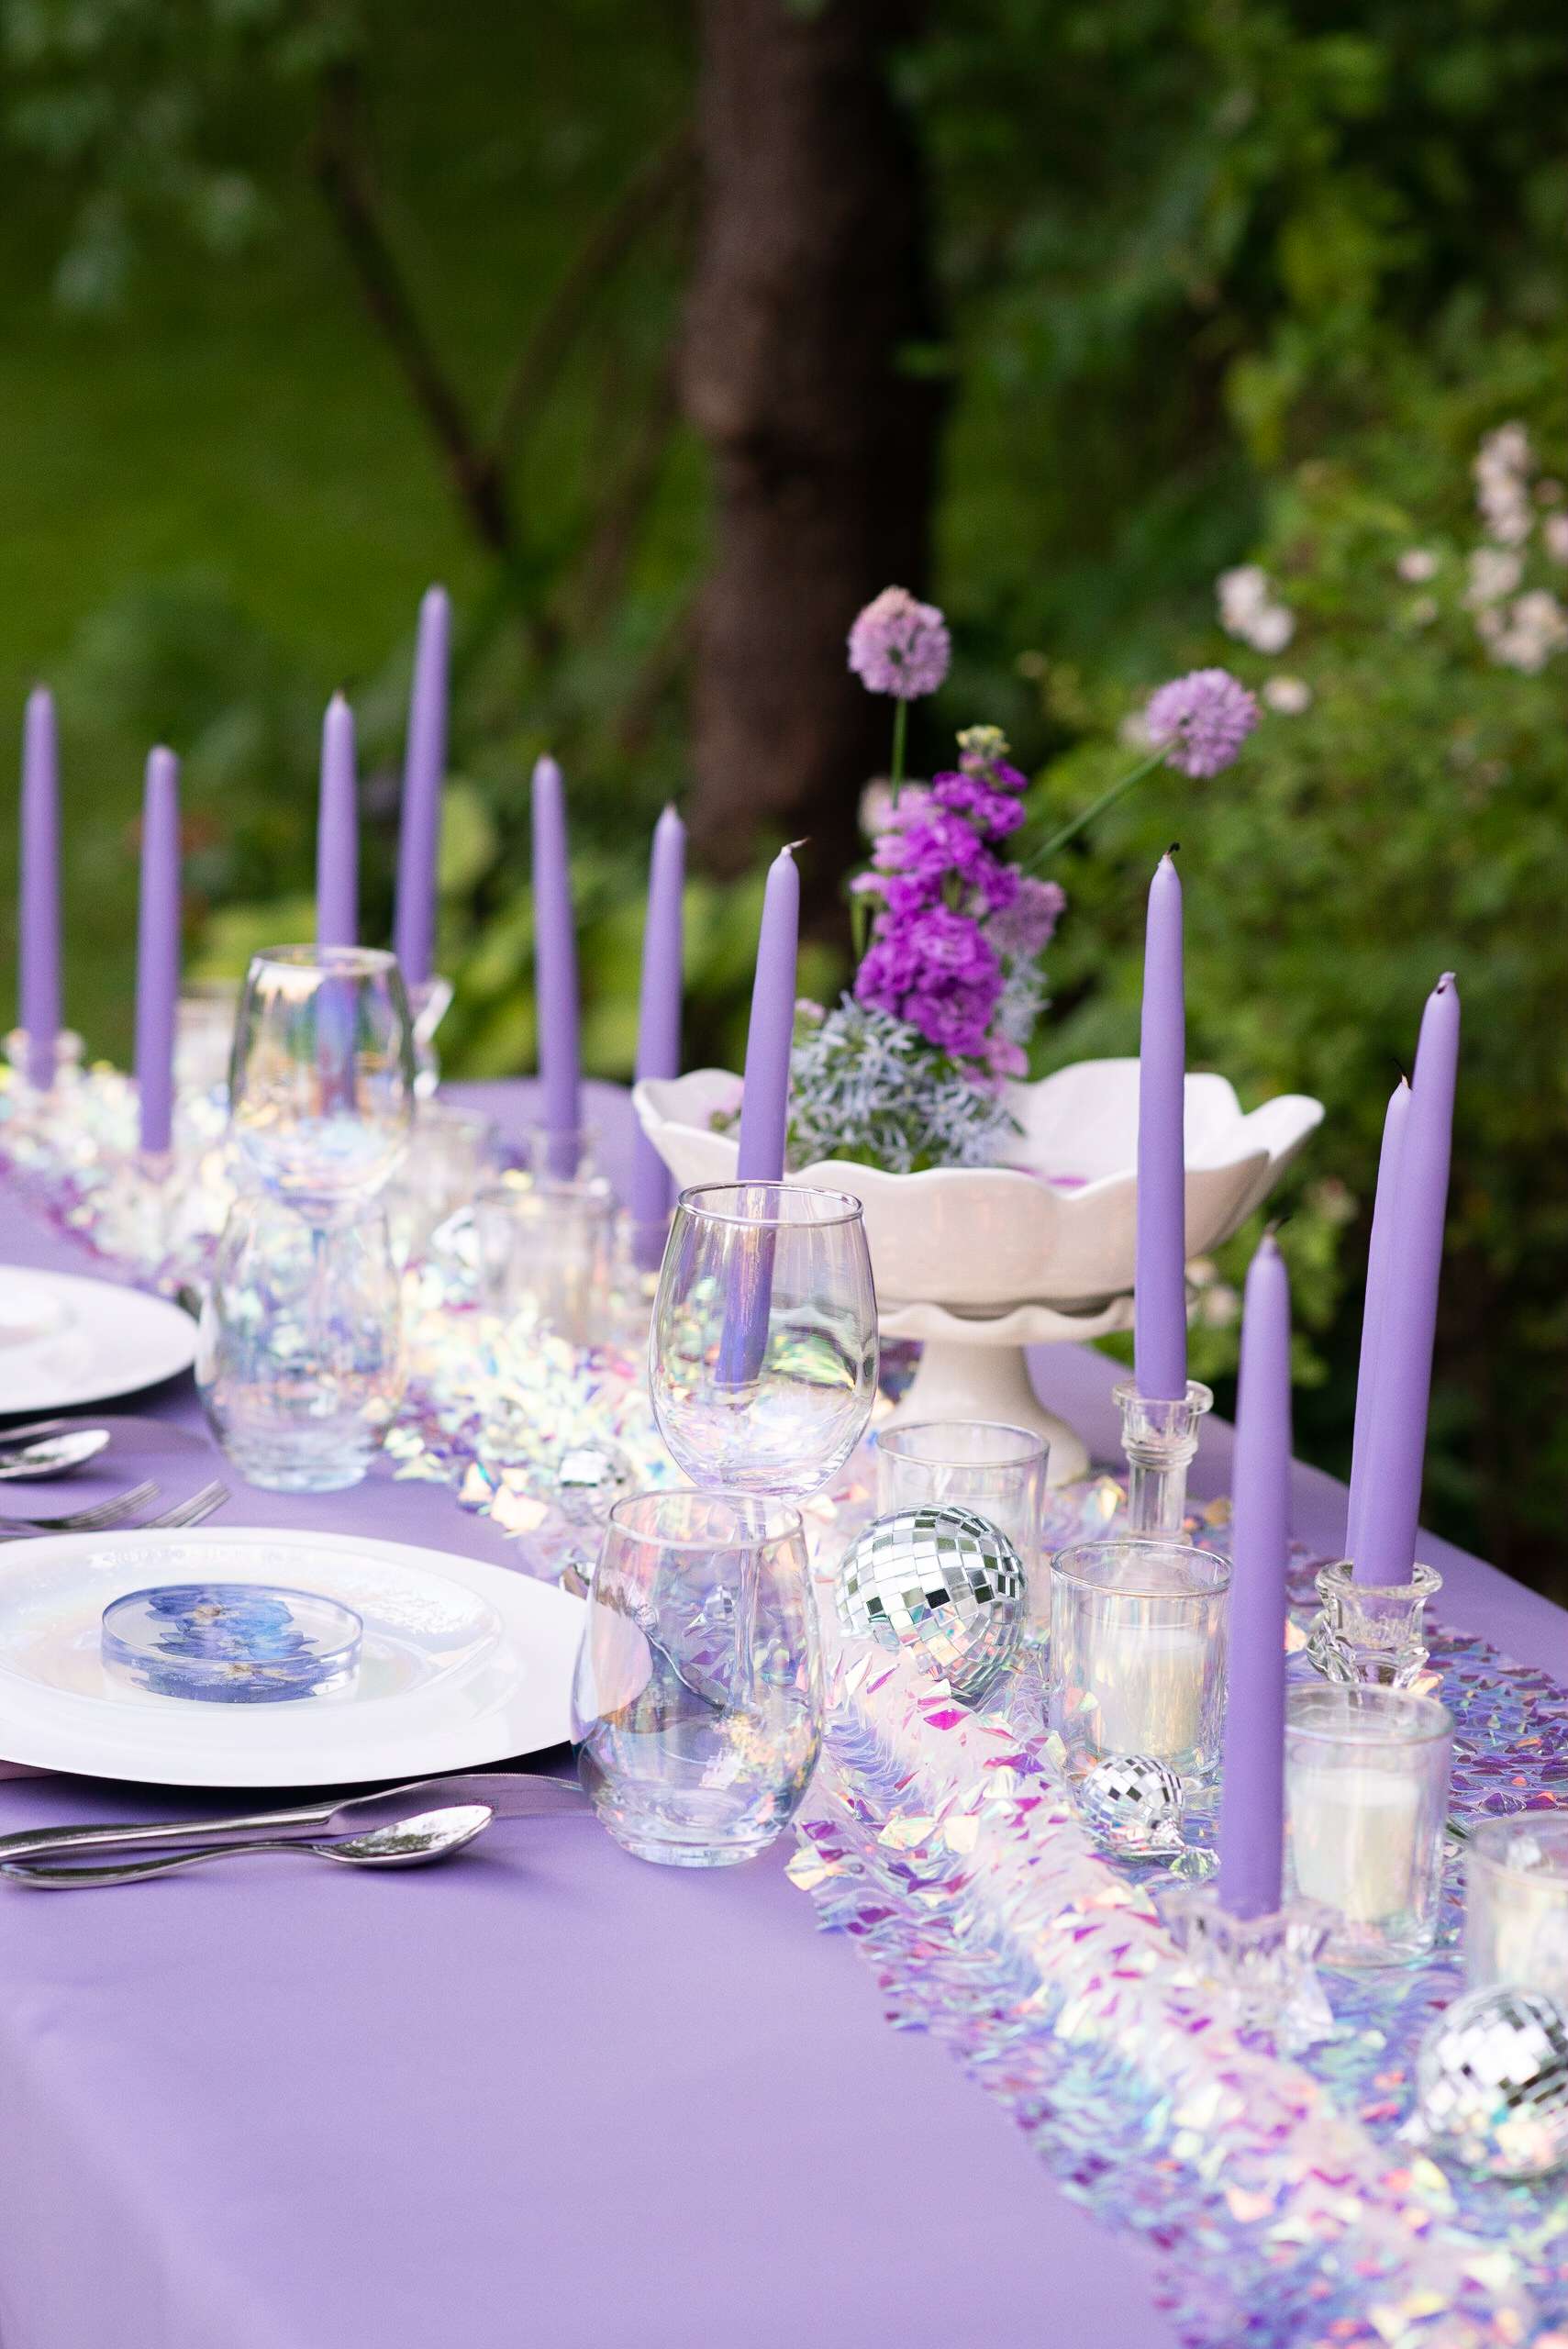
(67, 1339)
(462, 1664)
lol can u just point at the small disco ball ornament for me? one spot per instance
(587, 1479)
(1134, 1802)
(944, 1580)
(1492, 2081)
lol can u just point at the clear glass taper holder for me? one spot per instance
(1369, 1634)
(36, 1109)
(428, 1004)
(1159, 1440)
(1262, 1969)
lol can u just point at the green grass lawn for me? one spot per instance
(240, 427)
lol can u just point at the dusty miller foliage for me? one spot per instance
(865, 1086)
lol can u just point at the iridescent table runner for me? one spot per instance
(1286, 2206)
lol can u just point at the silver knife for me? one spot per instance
(508, 1794)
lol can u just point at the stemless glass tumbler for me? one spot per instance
(299, 1357)
(698, 1703)
(763, 1352)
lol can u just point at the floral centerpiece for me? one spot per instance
(907, 1070)
(1000, 1212)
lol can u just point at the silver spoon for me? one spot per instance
(52, 1455)
(407, 1843)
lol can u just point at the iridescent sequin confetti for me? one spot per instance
(1287, 2206)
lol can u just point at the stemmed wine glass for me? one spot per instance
(300, 1356)
(321, 1085)
(763, 1349)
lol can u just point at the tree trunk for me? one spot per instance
(811, 281)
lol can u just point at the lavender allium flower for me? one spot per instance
(900, 646)
(1201, 721)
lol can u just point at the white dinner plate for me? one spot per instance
(462, 1663)
(67, 1339)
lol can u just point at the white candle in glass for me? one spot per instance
(1147, 1683)
(1516, 1909)
(1353, 1840)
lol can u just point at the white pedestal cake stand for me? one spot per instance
(978, 1262)
(974, 1368)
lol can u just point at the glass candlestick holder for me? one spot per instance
(34, 1105)
(1159, 1439)
(1366, 1780)
(1370, 1633)
(1138, 1649)
(428, 1004)
(1262, 1969)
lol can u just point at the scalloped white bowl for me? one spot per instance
(1054, 1228)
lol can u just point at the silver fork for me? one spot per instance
(82, 1520)
(195, 1511)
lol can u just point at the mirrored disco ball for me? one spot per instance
(588, 1478)
(1133, 1802)
(944, 1580)
(1492, 2081)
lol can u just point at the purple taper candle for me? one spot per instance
(1252, 1810)
(555, 969)
(423, 772)
(1160, 1299)
(1396, 1420)
(37, 978)
(337, 832)
(659, 1025)
(158, 951)
(764, 1103)
(1384, 1215)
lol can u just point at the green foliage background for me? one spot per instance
(1226, 280)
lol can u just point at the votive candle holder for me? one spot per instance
(981, 1465)
(1515, 1904)
(1138, 1653)
(544, 1249)
(1366, 1781)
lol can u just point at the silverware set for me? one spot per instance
(121, 1511)
(387, 1832)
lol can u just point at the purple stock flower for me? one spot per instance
(996, 813)
(1022, 928)
(900, 646)
(1201, 721)
(935, 970)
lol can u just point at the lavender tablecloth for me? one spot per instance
(548, 2095)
